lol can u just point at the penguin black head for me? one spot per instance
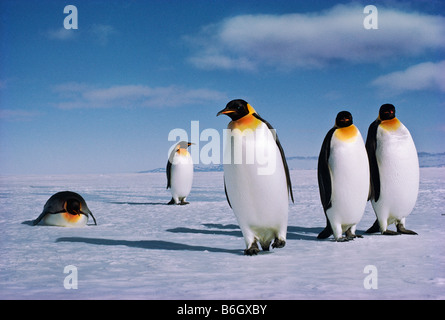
(387, 112)
(184, 144)
(343, 120)
(73, 207)
(236, 109)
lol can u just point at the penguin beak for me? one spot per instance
(225, 111)
(190, 143)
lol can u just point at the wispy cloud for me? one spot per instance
(423, 76)
(78, 95)
(61, 34)
(98, 33)
(247, 42)
(102, 33)
(18, 114)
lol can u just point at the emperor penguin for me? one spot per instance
(256, 178)
(65, 209)
(343, 178)
(180, 173)
(394, 166)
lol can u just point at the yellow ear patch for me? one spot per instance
(390, 125)
(347, 133)
(251, 109)
(182, 152)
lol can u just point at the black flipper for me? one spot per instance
(39, 218)
(371, 146)
(227, 196)
(327, 232)
(324, 181)
(168, 170)
(283, 157)
(323, 171)
(375, 227)
(94, 219)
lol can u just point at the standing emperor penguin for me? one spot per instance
(65, 209)
(180, 173)
(343, 178)
(256, 178)
(394, 169)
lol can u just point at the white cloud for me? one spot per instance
(78, 95)
(61, 34)
(423, 76)
(99, 33)
(247, 42)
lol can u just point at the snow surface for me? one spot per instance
(144, 249)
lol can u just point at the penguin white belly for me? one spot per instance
(181, 176)
(65, 219)
(257, 190)
(349, 168)
(399, 174)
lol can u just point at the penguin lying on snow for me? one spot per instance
(343, 178)
(258, 198)
(65, 209)
(394, 171)
(180, 173)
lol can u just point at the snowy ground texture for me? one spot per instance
(144, 249)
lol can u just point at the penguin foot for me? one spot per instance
(390, 233)
(278, 243)
(351, 236)
(252, 250)
(182, 203)
(172, 201)
(402, 230)
(265, 246)
(344, 239)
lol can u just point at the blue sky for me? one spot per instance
(104, 97)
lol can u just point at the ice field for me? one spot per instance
(144, 249)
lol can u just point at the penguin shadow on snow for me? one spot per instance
(140, 203)
(227, 230)
(147, 244)
(293, 233)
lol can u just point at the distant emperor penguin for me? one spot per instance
(180, 173)
(394, 169)
(65, 209)
(256, 178)
(343, 178)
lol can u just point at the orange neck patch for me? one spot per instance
(71, 217)
(249, 121)
(390, 125)
(347, 133)
(182, 152)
